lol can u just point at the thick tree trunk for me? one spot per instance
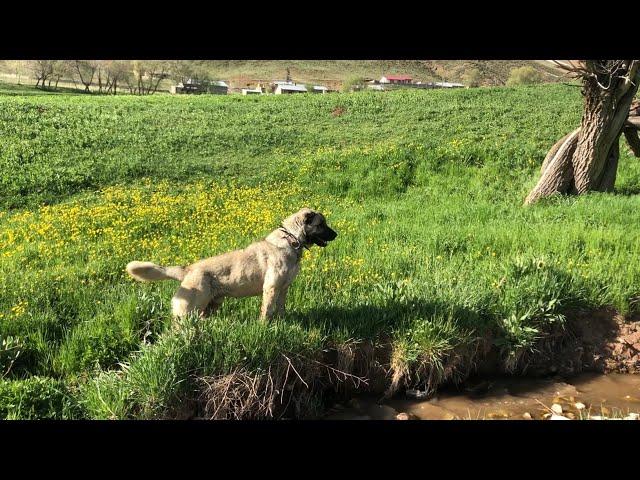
(587, 158)
(631, 134)
(602, 122)
(611, 168)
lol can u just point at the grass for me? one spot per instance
(436, 255)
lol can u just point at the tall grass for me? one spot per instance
(435, 256)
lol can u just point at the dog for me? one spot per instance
(267, 268)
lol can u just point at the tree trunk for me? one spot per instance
(631, 128)
(587, 158)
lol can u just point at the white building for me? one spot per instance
(448, 85)
(251, 91)
(288, 88)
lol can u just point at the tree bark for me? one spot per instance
(611, 168)
(602, 122)
(587, 158)
(631, 134)
(557, 176)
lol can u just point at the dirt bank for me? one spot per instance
(601, 341)
(594, 341)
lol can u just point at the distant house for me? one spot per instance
(448, 85)
(251, 91)
(288, 88)
(216, 87)
(320, 89)
(396, 79)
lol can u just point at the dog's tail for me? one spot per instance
(150, 272)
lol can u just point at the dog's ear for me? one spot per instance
(309, 216)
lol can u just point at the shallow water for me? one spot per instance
(611, 396)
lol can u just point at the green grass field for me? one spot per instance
(436, 256)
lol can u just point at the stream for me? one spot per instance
(586, 396)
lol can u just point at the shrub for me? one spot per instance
(524, 76)
(472, 77)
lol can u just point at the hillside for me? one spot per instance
(241, 73)
(335, 72)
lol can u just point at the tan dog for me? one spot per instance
(264, 268)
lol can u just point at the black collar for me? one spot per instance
(294, 241)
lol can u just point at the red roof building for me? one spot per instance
(396, 79)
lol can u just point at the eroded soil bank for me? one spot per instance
(594, 341)
(591, 362)
(587, 371)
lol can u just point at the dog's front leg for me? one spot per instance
(280, 301)
(269, 301)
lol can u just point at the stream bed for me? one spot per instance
(586, 396)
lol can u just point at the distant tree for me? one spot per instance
(117, 71)
(17, 68)
(353, 83)
(84, 71)
(145, 76)
(472, 77)
(526, 75)
(61, 68)
(183, 70)
(41, 70)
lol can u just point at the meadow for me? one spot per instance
(436, 262)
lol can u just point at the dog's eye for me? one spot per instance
(308, 218)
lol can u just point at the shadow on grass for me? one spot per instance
(627, 190)
(372, 320)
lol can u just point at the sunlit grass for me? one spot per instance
(435, 251)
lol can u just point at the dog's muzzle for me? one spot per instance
(325, 237)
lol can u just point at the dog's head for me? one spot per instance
(311, 226)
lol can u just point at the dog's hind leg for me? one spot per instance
(194, 295)
(213, 306)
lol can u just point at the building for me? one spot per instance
(320, 89)
(288, 88)
(447, 85)
(396, 79)
(251, 91)
(216, 87)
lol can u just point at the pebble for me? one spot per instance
(526, 416)
(556, 408)
(402, 416)
(417, 394)
(632, 416)
(580, 405)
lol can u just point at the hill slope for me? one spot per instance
(334, 72)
